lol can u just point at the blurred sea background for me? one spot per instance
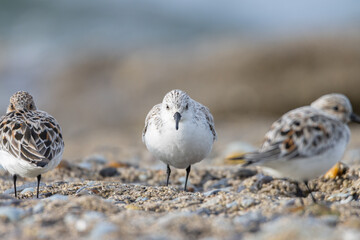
(99, 66)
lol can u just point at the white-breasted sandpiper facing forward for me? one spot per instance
(306, 142)
(31, 141)
(179, 132)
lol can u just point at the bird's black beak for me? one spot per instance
(354, 118)
(177, 117)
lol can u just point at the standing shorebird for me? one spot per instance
(179, 132)
(30, 140)
(306, 142)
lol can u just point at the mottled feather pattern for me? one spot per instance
(33, 136)
(303, 132)
(176, 97)
(203, 111)
(153, 117)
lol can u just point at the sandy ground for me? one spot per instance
(106, 197)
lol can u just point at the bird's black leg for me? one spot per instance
(187, 176)
(307, 186)
(168, 171)
(299, 191)
(15, 177)
(38, 184)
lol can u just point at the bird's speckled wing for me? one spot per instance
(33, 136)
(153, 117)
(301, 133)
(209, 118)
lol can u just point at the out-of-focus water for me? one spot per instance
(40, 36)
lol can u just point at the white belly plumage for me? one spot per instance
(301, 169)
(179, 148)
(23, 168)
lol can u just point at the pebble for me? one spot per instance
(347, 200)
(142, 177)
(339, 195)
(250, 219)
(85, 165)
(245, 173)
(22, 187)
(261, 179)
(203, 211)
(101, 230)
(6, 196)
(247, 202)
(141, 199)
(330, 220)
(81, 225)
(38, 208)
(96, 159)
(232, 204)
(57, 197)
(212, 192)
(109, 172)
(220, 184)
(12, 213)
(300, 228)
(240, 188)
(26, 190)
(92, 215)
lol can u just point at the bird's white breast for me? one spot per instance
(180, 148)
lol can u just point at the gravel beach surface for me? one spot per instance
(113, 200)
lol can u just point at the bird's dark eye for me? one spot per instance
(30, 106)
(167, 107)
(187, 106)
(12, 106)
(336, 108)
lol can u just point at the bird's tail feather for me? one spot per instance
(250, 158)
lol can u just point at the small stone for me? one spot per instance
(92, 215)
(38, 208)
(57, 197)
(339, 195)
(232, 204)
(347, 200)
(330, 220)
(261, 179)
(250, 220)
(26, 190)
(12, 213)
(22, 187)
(141, 199)
(288, 227)
(101, 230)
(203, 211)
(245, 173)
(85, 165)
(220, 184)
(143, 177)
(6, 196)
(109, 172)
(96, 159)
(81, 225)
(240, 188)
(132, 207)
(212, 192)
(247, 202)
